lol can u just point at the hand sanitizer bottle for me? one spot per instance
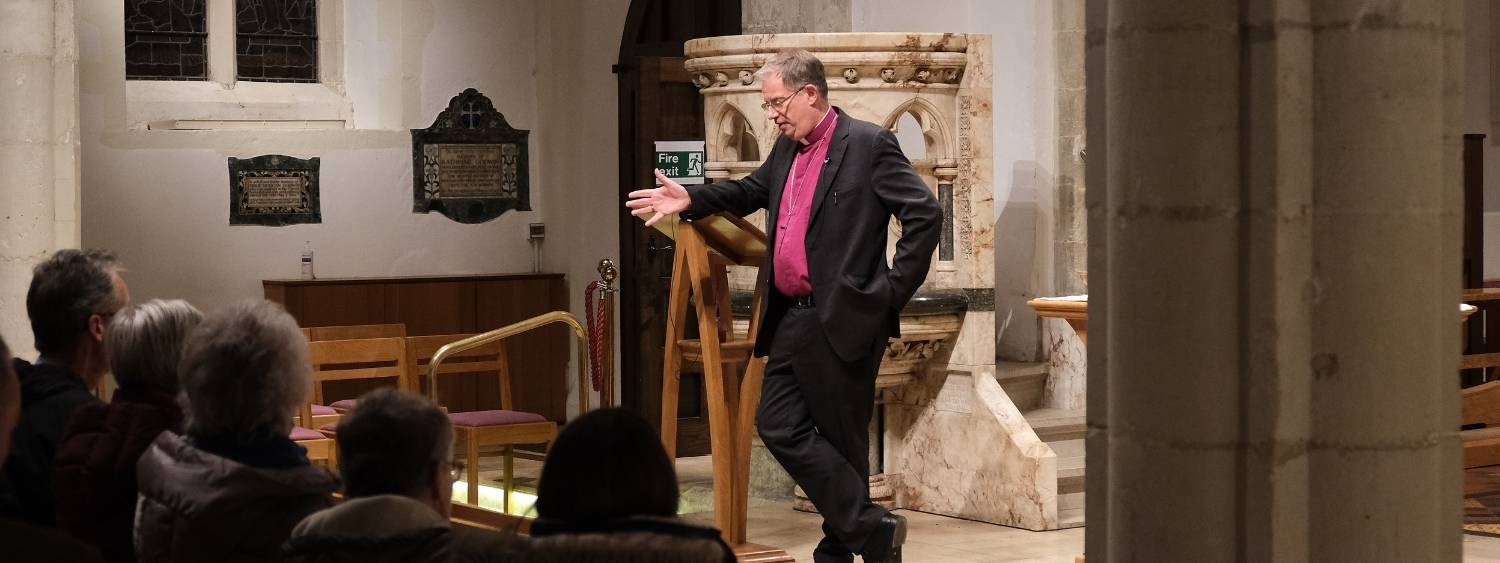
(307, 261)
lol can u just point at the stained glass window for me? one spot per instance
(165, 40)
(276, 40)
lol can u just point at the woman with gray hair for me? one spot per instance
(93, 475)
(233, 487)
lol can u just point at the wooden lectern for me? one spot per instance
(704, 250)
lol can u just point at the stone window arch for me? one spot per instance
(920, 114)
(734, 137)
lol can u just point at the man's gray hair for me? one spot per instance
(796, 68)
(145, 343)
(244, 372)
(66, 289)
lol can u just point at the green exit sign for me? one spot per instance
(681, 160)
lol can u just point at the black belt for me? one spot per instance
(803, 302)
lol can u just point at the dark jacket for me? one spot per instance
(376, 529)
(50, 393)
(93, 475)
(24, 543)
(198, 506)
(395, 529)
(637, 539)
(865, 181)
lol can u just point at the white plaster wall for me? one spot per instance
(577, 41)
(1024, 143)
(160, 198)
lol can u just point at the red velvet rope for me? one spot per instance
(596, 320)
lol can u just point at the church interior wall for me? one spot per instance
(159, 198)
(1479, 114)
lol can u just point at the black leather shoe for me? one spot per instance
(884, 545)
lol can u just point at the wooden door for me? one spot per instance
(667, 108)
(658, 102)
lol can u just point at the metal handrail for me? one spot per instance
(513, 329)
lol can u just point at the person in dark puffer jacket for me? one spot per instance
(395, 454)
(608, 493)
(93, 475)
(232, 489)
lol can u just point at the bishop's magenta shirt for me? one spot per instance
(790, 257)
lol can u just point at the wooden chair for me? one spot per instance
(319, 446)
(323, 415)
(1481, 414)
(504, 427)
(356, 332)
(365, 358)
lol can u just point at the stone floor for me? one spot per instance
(931, 538)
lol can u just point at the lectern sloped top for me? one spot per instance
(734, 238)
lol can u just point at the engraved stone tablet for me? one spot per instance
(273, 190)
(470, 165)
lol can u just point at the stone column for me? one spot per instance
(795, 16)
(39, 149)
(1273, 266)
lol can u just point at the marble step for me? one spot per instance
(1070, 466)
(1070, 519)
(1056, 425)
(1024, 382)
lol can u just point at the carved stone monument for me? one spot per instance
(273, 190)
(470, 164)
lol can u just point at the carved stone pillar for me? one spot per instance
(39, 149)
(1274, 277)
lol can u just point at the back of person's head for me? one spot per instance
(10, 399)
(67, 289)
(244, 372)
(396, 443)
(145, 343)
(605, 465)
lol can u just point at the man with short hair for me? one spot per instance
(395, 455)
(830, 185)
(73, 296)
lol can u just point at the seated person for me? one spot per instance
(72, 297)
(22, 541)
(608, 492)
(236, 484)
(395, 454)
(93, 475)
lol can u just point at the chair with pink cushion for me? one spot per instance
(355, 359)
(325, 415)
(319, 446)
(504, 427)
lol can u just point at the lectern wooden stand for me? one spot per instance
(731, 373)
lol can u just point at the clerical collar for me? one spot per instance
(821, 130)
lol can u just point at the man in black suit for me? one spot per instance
(831, 185)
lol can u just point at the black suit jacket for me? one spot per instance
(865, 181)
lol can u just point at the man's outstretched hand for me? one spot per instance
(670, 198)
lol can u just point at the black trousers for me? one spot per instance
(814, 417)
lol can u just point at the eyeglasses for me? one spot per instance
(455, 470)
(779, 104)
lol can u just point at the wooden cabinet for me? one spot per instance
(451, 305)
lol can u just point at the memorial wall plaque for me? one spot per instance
(470, 165)
(273, 190)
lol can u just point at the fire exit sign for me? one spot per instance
(681, 160)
